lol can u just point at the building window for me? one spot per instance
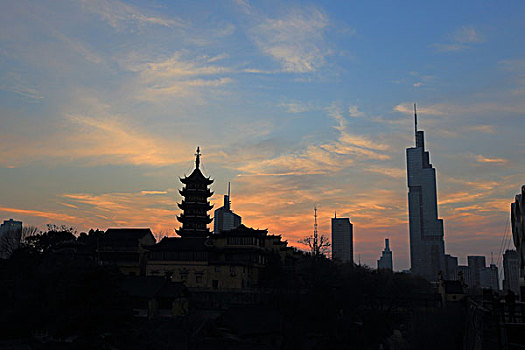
(215, 284)
(198, 279)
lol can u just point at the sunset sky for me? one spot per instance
(103, 103)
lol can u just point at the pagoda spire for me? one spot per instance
(198, 158)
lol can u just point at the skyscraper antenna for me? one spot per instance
(415, 121)
(229, 198)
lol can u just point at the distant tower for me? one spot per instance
(427, 246)
(517, 217)
(224, 219)
(489, 278)
(385, 261)
(342, 240)
(10, 236)
(476, 264)
(511, 271)
(195, 205)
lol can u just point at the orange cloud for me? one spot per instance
(483, 159)
(43, 214)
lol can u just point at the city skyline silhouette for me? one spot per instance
(103, 103)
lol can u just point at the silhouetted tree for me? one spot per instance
(55, 235)
(318, 245)
(9, 242)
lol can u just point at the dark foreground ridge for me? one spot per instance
(56, 295)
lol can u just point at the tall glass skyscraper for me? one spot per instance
(342, 240)
(427, 247)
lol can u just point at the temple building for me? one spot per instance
(427, 245)
(232, 259)
(195, 205)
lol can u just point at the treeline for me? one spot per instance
(52, 289)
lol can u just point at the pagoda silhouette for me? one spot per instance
(195, 205)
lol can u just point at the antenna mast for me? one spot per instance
(415, 121)
(316, 248)
(229, 198)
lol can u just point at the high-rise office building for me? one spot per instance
(451, 267)
(224, 219)
(342, 240)
(511, 271)
(476, 264)
(427, 246)
(517, 214)
(10, 236)
(464, 271)
(488, 277)
(385, 261)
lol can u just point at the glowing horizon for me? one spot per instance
(103, 103)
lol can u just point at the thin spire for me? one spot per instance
(335, 214)
(229, 198)
(198, 158)
(315, 231)
(415, 121)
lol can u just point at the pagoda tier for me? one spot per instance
(196, 219)
(195, 205)
(188, 192)
(200, 206)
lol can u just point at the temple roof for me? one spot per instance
(174, 243)
(125, 236)
(242, 230)
(196, 176)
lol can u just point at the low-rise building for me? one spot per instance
(125, 248)
(233, 259)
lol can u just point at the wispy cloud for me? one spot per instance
(488, 129)
(153, 192)
(442, 109)
(461, 39)
(180, 75)
(60, 217)
(14, 83)
(296, 106)
(495, 161)
(354, 111)
(396, 173)
(295, 40)
(96, 136)
(128, 209)
(322, 158)
(119, 14)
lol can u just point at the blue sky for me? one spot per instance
(102, 104)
